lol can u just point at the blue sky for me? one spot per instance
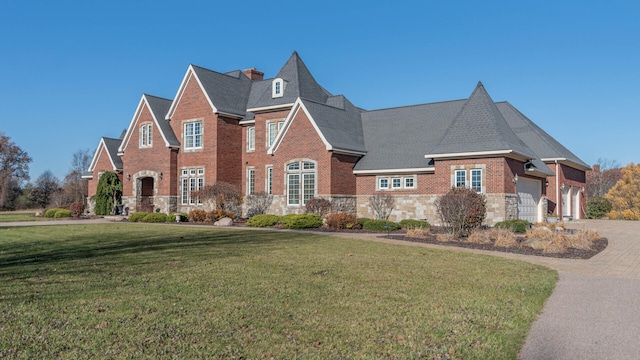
(73, 71)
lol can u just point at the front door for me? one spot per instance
(144, 200)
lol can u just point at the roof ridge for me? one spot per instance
(415, 105)
(157, 97)
(218, 72)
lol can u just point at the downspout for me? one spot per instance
(558, 203)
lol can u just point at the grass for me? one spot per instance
(23, 215)
(163, 291)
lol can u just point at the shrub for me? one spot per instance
(300, 221)
(379, 225)
(419, 232)
(77, 208)
(222, 196)
(258, 203)
(461, 209)
(598, 207)
(517, 226)
(505, 238)
(382, 204)
(215, 215)
(137, 216)
(412, 224)
(51, 213)
(62, 213)
(197, 215)
(154, 218)
(481, 237)
(263, 220)
(108, 193)
(343, 221)
(318, 206)
(172, 217)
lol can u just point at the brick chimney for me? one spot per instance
(254, 74)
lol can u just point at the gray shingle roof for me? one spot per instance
(298, 82)
(398, 138)
(228, 92)
(112, 146)
(340, 124)
(544, 145)
(160, 108)
(479, 127)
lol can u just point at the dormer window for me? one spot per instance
(277, 88)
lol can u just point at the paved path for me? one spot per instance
(594, 311)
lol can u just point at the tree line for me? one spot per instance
(18, 192)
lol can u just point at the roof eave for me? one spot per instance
(430, 169)
(568, 162)
(270, 108)
(480, 154)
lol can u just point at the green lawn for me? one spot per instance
(23, 215)
(165, 291)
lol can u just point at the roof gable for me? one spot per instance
(340, 129)
(479, 128)
(110, 148)
(157, 107)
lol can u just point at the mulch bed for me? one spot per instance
(571, 253)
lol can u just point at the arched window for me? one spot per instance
(301, 182)
(277, 88)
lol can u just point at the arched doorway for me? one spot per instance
(144, 196)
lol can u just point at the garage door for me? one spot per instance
(529, 194)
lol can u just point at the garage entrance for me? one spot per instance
(529, 194)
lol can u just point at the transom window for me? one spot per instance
(396, 182)
(145, 135)
(191, 180)
(193, 135)
(301, 182)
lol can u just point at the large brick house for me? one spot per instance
(290, 137)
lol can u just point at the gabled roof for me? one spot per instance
(226, 93)
(479, 128)
(110, 145)
(298, 83)
(339, 127)
(158, 107)
(544, 145)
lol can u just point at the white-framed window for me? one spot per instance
(268, 185)
(301, 182)
(251, 181)
(395, 182)
(251, 138)
(191, 180)
(476, 179)
(193, 135)
(145, 135)
(409, 183)
(461, 178)
(383, 183)
(273, 128)
(277, 88)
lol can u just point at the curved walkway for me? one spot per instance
(594, 311)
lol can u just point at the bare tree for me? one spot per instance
(382, 204)
(75, 188)
(44, 189)
(604, 175)
(258, 203)
(14, 167)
